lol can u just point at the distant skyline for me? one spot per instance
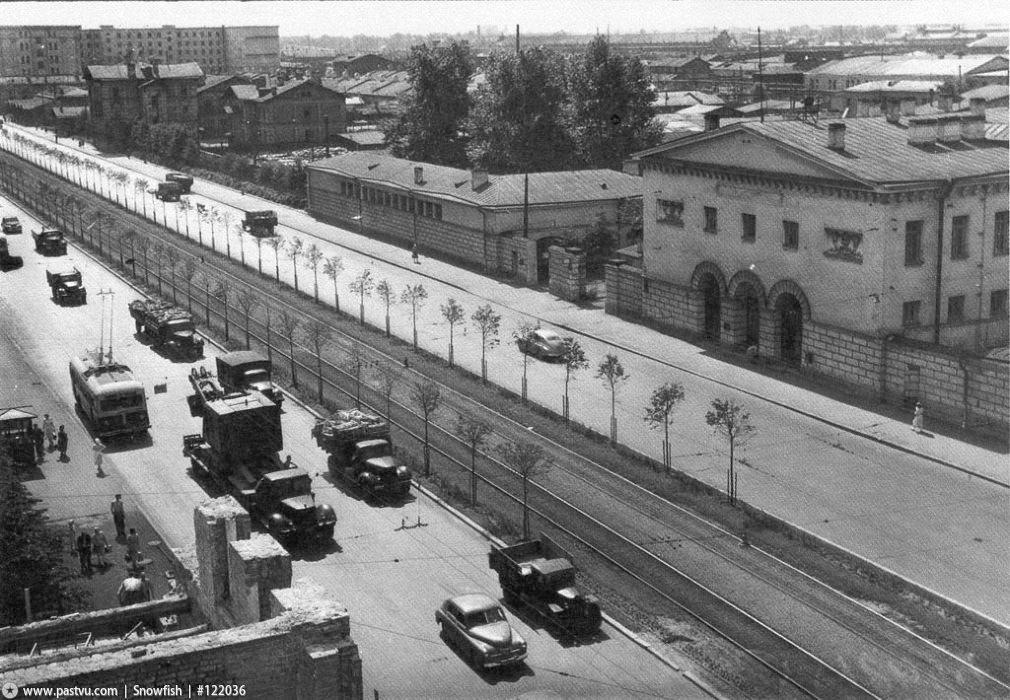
(384, 18)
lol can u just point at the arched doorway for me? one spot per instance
(709, 287)
(790, 313)
(752, 319)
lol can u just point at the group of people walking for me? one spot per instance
(56, 439)
(91, 547)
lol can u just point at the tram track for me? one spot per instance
(798, 667)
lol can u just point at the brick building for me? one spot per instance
(837, 247)
(470, 216)
(152, 93)
(297, 113)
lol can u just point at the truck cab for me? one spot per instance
(67, 285)
(185, 182)
(50, 242)
(260, 223)
(376, 470)
(246, 369)
(284, 503)
(168, 192)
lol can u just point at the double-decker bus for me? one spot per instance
(110, 398)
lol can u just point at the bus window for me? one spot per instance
(118, 402)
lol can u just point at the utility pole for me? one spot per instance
(761, 81)
(526, 154)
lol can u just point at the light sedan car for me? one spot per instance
(542, 343)
(477, 624)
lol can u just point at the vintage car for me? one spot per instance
(477, 625)
(50, 242)
(542, 343)
(11, 225)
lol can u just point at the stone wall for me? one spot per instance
(624, 290)
(567, 272)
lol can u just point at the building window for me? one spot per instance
(438, 212)
(749, 225)
(955, 309)
(910, 313)
(711, 220)
(913, 243)
(669, 212)
(959, 238)
(998, 304)
(1000, 243)
(790, 235)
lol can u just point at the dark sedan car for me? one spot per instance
(542, 343)
(477, 624)
(11, 225)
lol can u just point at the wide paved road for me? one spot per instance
(390, 579)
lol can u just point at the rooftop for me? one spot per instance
(144, 71)
(911, 64)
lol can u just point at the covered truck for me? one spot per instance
(168, 192)
(361, 453)
(184, 181)
(260, 223)
(66, 285)
(238, 449)
(50, 242)
(167, 325)
(248, 370)
(539, 575)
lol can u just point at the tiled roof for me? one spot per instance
(875, 151)
(907, 65)
(120, 71)
(501, 191)
(897, 86)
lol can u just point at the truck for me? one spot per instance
(168, 326)
(11, 225)
(538, 575)
(8, 261)
(361, 453)
(238, 449)
(260, 223)
(50, 242)
(185, 182)
(67, 285)
(248, 370)
(168, 192)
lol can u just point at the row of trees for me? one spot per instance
(537, 111)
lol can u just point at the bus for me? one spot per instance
(109, 397)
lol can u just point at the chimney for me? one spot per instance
(948, 128)
(711, 122)
(418, 175)
(921, 131)
(836, 136)
(973, 127)
(907, 108)
(478, 178)
(893, 111)
(978, 107)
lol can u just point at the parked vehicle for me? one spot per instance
(185, 182)
(260, 223)
(477, 624)
(16, 437)
(8, 261)
(542, 343)
(11, 225)
(238, 449)
(50, 242)
(539, 575)
(108, 396)
(66, 285)
(247, 370)
(169, 326)
(168, 191)
(361, 453)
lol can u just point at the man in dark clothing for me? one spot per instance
(119, 516)
(61, 443)
(84, 551)
(39, 439)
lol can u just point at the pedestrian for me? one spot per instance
(99, 546)
(61, 443)
(39, 439)
(119, 516)
(84, 551)
(133, 547)
(98, 448)
(49, 429)
(414, 255)
(131, 590)
(917, 418)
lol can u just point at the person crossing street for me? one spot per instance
(49, 429)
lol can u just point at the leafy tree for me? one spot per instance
(317, 333)
(523, 335)
(313, 257)
(661, 404)
(453, 313)
(289, 325)
(488, 323)
(573, 357)
(276, 242)
(356, 362)
(295, 250)
(474, 432)
(415, 295)
(385, 291)
(332, 268)
(388, 375)
(612, 372)
(527, 458)
(247, 300)
(222, 292)
(362, 285)
(730, 420)
(427, 395)
(189, 270)
(430, 128)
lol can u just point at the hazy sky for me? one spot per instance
(375, 17)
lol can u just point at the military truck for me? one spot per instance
(168, 192)
(11, 225)
(8, 261)
(50, 242)
(260, 223)
(248, 370)
(238, 449)
(169, 327)
(361, 453)
(538, 575)
(185, 182)
(67, 285)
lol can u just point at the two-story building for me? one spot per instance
(152, 93)
(297, 113)
(874, 251)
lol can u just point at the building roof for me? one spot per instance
(69, 112)
(212, 81)
(909, 64)
(369, 137)
(915, 86)
(685, 98)
(767, 106)
(987, 92)
(31, 102)
(992, 41)
(876, 151)
(136, 71)
(245, 92)
(501, 190)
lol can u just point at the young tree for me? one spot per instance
(225, 217)
(573, 357)
(317, 333)
(362, 285)
(427, 395)
(612, 372)
(388, 375)
(313, 258)
(172, 262)
(295, 250)
(144, 246)
(247, 300)
(523, 335)
(140, 186)
(289, 324)
(385, 291)
(453, 313)
(276, 242)
(332, 268)
(221, 293)
(415, 295)
(527, 459)
(661, 404)
(474, 432)
(189, 269)
(730, 420)
(184, 206)
(356, 363)
(488, 323)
